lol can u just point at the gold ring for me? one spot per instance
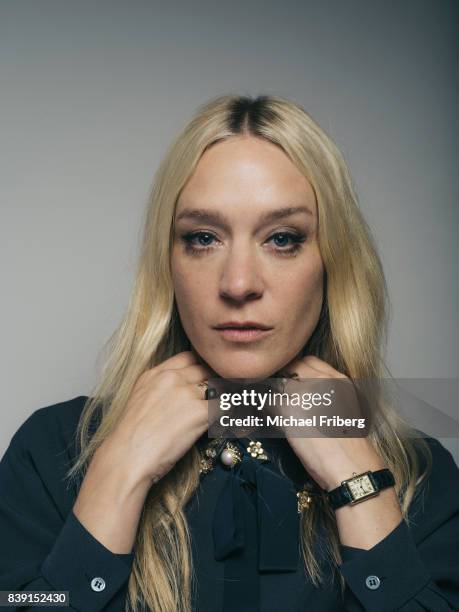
(204, 385)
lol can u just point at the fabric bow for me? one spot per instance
(277, 515)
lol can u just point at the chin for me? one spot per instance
(244, 368)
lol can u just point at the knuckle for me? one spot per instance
(142, 380)
(169, 377)
(145, 376)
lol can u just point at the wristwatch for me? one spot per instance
(360, 487)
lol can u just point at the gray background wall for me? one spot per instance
(92, 92)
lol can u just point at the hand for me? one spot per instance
(330, 460)
(165, 414)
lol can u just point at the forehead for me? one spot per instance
(246, 173)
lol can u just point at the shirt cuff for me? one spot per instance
(387, 575)
(82, 565)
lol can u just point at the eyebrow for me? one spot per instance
(218, 218)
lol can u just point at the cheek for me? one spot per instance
(190, 290)
(301, 294)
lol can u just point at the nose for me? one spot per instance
(241, 277)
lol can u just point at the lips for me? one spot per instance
(243, 331)
(241, 325)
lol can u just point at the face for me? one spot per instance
(245, 252)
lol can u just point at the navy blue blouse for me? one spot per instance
(245, 535)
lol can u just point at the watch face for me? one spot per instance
(360, 486)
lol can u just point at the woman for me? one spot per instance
(120, 498)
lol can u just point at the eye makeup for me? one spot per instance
(291, 242)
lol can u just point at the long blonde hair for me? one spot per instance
(351, 336)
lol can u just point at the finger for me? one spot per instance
(300, 367)
(196, 373)
(194, 376)
(315, 362)
(319, 365)
(304, 370)
(202, 410)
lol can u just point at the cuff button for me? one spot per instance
(98, 584)
(372, 582)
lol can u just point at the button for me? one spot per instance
(98, 584)
(372, 582)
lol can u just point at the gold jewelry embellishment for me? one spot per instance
(206, 465)
(256, 450)
(230, 455)
(208, 455)
(304, 499)
(203, 385)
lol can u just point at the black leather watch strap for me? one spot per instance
(341, 496)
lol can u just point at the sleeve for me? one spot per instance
(43, 549)
(417, 569)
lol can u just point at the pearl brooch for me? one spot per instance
(230, 455)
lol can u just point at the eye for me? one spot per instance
(286, 243)
(198, 242)
(290, 240)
